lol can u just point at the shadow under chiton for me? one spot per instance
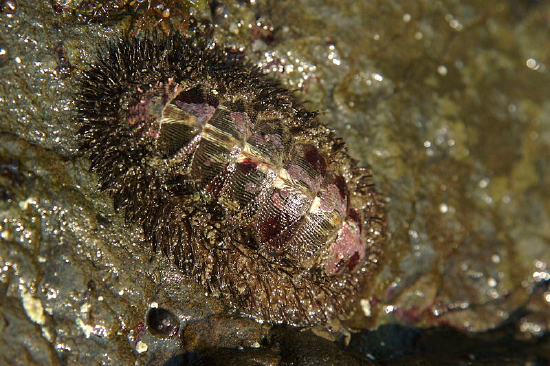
(230, 176)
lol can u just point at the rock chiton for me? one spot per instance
(231, 177)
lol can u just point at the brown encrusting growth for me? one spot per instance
(229, 175)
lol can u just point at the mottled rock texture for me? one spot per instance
(447, 101)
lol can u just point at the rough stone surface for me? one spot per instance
(446, 101)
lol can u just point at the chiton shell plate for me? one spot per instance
(230, 176)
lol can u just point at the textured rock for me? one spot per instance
(448, 101)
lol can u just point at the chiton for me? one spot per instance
(231, 177)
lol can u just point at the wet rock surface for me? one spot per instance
(446, 101)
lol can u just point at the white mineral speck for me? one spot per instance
(33, 307)
(365, 306)
(141, 347)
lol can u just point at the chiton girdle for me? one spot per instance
(230, 176)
